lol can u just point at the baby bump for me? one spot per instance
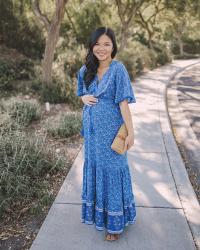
(103, 117)
(107, 119)
(101, 124)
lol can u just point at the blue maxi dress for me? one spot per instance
(107, 195)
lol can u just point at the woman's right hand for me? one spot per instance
(89, 99)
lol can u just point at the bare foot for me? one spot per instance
(112, 237)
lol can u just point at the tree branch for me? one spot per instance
(43, 18)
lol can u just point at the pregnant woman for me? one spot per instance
(104, 86)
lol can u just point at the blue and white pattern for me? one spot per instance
(107, 195)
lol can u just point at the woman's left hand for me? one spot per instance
(129, 141)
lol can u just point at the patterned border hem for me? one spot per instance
(109, 231)
(132, 203)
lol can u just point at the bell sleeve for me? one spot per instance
(79, 87)
(124, 89)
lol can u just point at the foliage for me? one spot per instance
(53, 93)
(137, 57)
(87, 19)
(64, 126)
(10, 71)
(149, 42)
(22, 112)
(191, 46)
(7, 75)
(18, 29)
(163, 55)
(25, 162)
(26, 159)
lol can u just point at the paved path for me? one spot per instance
(168, 213)
(188, 87)
(183, 101)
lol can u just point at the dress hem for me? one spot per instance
(128, 218)
(108, 230)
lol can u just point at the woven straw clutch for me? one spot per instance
(119, 140)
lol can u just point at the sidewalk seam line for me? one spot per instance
(71, 203)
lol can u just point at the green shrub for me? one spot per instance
(132, 62)
(24, 69)
(163, 56)
(58, 92)
(72, 99)
(69, 59)
(66, 125)
(7, 74)
(22, 111)
(36, 85)
(11, 71)
(136, 57)
(25, 162)
(53, 93)
(7, 124)
(18, 28)
(190, 46)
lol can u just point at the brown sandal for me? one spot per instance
(112, 237)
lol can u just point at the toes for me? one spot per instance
(112, 236)
(109, 237)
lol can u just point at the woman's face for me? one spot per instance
(103, 48)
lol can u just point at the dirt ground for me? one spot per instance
(19, 227)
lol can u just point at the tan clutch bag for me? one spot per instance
(119, 141)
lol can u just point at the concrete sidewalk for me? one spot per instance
(168, 213)
(183, 103)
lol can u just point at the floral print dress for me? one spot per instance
(107, 195)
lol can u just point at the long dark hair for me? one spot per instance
(91, 61)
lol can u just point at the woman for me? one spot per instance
(105, 89)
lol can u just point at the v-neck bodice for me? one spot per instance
(105, 73)
(114, 84)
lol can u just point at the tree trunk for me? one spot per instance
(180, 43)
(52, 27)
(123, 39)
(51, 41)
(150, 36)
(47, 62)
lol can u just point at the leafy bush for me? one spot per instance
(19, 30)
(53, 93)
(7, 74)
(25, 162)
(10, 71)
(65, 126)
(73, 58)
(7, 124)
(191, 46)
(22, 111)
(163, 56)
(136, 57)
(58, 92)
(25, 70)
(69, 59)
